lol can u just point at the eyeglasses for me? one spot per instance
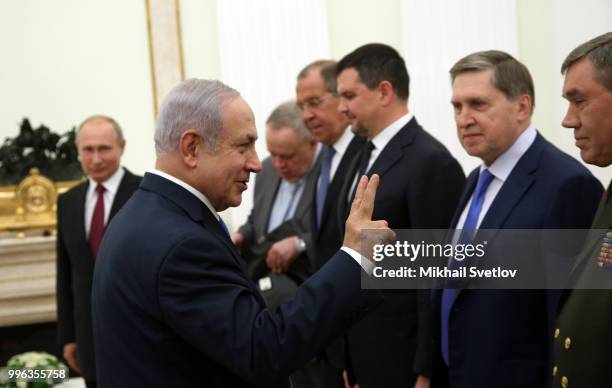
(314, 102)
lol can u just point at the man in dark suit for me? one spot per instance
(420, 187)
(318, 100)
(582, 339)
(82, 214)
(172, 304)
(498, 338)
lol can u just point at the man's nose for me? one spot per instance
(254, 164)
(571, 119)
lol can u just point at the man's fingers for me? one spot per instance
(369, 195)
(361, 186)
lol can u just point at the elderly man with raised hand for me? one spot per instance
(172, 303)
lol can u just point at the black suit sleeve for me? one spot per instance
(65, 299)
(204, 295)
(575, 203)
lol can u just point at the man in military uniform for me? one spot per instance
(583, 335)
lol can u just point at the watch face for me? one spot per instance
(301, 245)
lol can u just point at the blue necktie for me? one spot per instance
(223, 226)
(467, 235)
(324, 181)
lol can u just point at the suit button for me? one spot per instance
(568, 343)
(555, 370)
(564, 382)
(557, 332)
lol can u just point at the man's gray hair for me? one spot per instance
(192, 104)
(510, 76)
(599, 52)
(108, 119)
(288, 115)
(327, 71)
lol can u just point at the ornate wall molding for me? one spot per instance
(165, 47)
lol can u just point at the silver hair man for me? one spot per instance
(288, 115)
(194, 104)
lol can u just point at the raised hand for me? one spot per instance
(360, 219)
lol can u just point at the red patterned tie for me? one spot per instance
(97, 223)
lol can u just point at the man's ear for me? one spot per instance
(525, 106)
(190, 147)
(386, 92)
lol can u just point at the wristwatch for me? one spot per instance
(300, 245)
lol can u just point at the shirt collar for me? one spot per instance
(111, 184)
(187, 187)
(343, 142)
(503, 165)
(381, 140)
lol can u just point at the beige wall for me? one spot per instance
(548, 31)
(353, 23)
(63, 60)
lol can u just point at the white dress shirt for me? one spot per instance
(91, 197)
(340, 146)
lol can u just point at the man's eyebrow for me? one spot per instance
(571, 93)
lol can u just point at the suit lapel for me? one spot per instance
(512, 191)
(343, 202)
(514, 188)
(310, 187)
(393, 151)
(193, 207)
(79, 219)
(468, 189)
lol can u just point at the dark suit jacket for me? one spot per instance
(75, 268)
(328, 237)
(173, 306)
(420, 184)
(586, 318)
(255, 230)
(500, 338)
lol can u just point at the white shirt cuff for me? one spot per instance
(366, 264)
